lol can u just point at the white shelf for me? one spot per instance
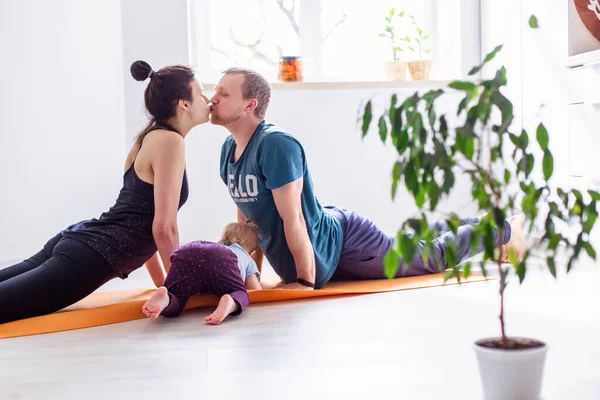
(590, 57)
(416, 85)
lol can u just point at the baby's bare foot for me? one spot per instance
(156, 303)
(226, 306)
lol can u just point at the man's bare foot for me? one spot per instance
(517, 243)
(226, 306)
(156, 303)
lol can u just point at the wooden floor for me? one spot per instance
(404, 345)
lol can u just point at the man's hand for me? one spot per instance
(295, 286)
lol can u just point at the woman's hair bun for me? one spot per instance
(140, 70)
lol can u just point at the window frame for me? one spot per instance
(310, 37)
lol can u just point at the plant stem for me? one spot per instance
(504, 339)
(497, 197)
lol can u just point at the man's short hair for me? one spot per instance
(255, 86)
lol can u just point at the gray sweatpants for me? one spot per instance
(365, 246)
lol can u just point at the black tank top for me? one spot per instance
(123, 234)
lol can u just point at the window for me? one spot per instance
(253, 33)
(338, 40)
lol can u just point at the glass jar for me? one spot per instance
(290, 69)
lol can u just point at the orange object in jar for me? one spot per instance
(290, 69)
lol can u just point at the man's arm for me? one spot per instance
(289, 206)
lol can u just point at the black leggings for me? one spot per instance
(62, 273)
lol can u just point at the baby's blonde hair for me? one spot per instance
(242, 233)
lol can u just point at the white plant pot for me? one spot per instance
(511, 374)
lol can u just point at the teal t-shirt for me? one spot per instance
(272, 159)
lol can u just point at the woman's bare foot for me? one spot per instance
(156, 303)
(226, 306)
(517, 243)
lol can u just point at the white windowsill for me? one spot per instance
(416, 85)
(590, 57)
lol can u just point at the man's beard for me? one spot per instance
(223, 121)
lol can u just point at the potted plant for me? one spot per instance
(420, 68)
(482, 146)
(395, 70)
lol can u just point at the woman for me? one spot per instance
(142, 225)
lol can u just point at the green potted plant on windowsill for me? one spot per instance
(395, 70)
(430, 152)
(420, 67)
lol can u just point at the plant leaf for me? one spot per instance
(500, 77)
(467, 270)
(594, 195)
(390, 264)
(475, 70)
(382, 129)
(470, 148)
(521, 271)
(542, 137)
(487, 59)
(523, 140)
(395, 178)
(420, 197)
(499, 216)
(449, 275)
(548, 164)
(367, 118)
(589, 222)
(533, 22)
(448, 181)
(463, 85)
(551, 266)
(492, 54)
(589, 249)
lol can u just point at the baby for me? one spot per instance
(225, 269)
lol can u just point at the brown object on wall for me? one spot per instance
(589, 13)
(290, 69)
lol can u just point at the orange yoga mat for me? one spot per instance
(103, 308)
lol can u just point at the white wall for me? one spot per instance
(155, 31)
(546, 83)
(62, 132)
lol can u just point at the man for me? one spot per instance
(266, 172)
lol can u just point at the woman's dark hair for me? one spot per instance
(167, 86)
